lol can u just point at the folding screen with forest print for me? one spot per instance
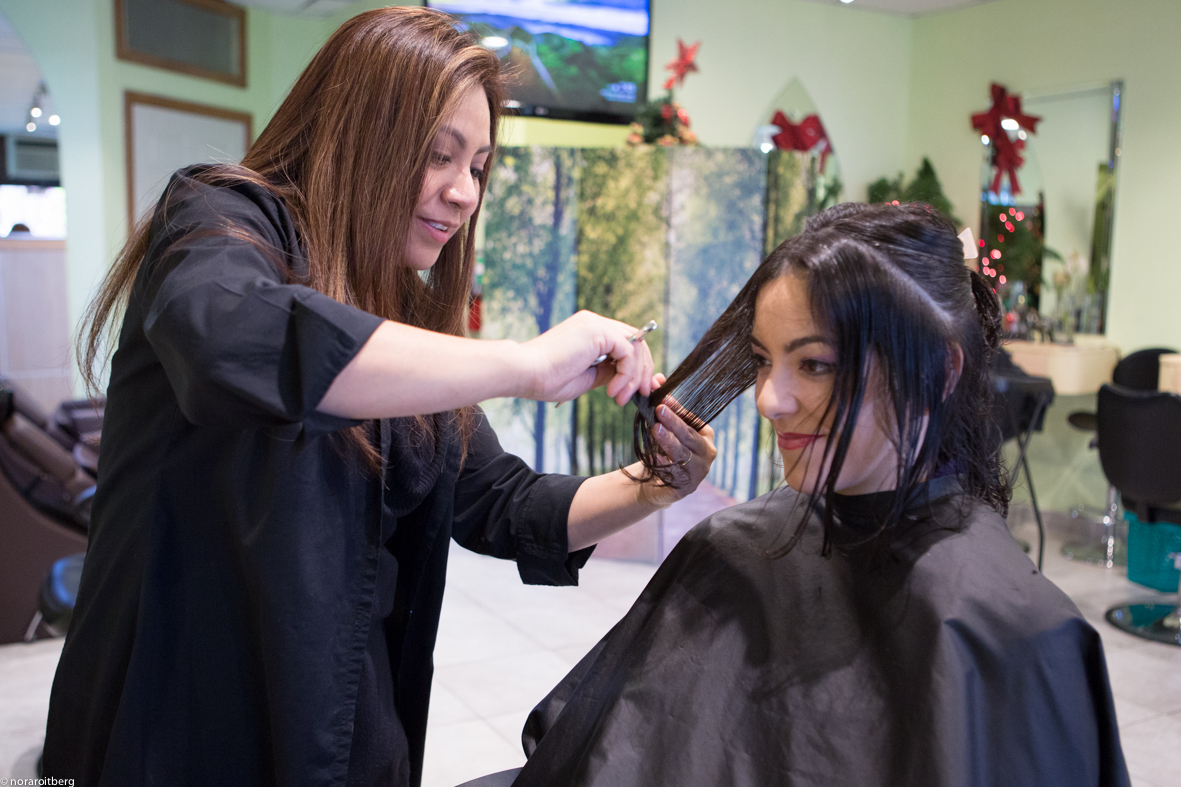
(638, 234)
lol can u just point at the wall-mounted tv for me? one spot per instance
(568, 59)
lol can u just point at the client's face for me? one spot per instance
(451, 187)
(795, 383)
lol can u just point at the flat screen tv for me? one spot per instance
(568, 59)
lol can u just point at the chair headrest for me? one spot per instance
(22, 403)
(1139, 435)
(1141, 369)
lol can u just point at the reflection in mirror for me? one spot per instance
(1050, 241)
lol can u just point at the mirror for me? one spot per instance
(1049, 240)
(1077, 146)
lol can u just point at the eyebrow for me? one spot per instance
(462, 140)
(794, 344)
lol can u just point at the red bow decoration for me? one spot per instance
(683, 64)
(1006, 153)
(808, 134)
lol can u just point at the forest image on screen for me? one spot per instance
(565, 55)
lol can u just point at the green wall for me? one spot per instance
(1040, 46)
(854, 65)
(890, 90)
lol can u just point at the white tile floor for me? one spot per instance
(503, 645)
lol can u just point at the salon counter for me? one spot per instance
(1170, 373)
(1078, 368)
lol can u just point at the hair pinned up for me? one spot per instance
(887, 284)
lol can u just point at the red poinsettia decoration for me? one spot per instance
(1006, 153)
(684, 63)
(664, 121)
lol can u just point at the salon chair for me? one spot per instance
(1140, 450)
(1019, 409)
(1139, 371)
(45, 493)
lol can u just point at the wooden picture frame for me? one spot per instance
(138, 147)
(124, 50)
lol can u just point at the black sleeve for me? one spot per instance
(242, 347)
(505, 509)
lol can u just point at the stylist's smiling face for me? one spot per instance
(451, 187)
(796, 369)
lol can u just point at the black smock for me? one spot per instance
(256, 608)
(950, 662)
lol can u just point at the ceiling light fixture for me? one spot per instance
(35, 109)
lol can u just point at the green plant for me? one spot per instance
(924, 187)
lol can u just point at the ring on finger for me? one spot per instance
(685, 462)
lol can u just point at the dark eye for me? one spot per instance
(815, 366)
(440, 158)
(478, 173)
(759, 361)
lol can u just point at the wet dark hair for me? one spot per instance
(888, 287)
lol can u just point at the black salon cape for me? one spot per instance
(955, 663)
(249, 592)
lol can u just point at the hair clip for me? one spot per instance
(970, 251)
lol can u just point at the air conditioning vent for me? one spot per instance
(31, 159)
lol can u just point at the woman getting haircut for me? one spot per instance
(872, 622)
(292, 437)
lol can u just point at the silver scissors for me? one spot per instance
(647, 329)
(640, 334)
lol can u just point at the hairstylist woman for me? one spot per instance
(292, 438)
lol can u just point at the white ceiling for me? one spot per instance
(903, 7)
(19, 77)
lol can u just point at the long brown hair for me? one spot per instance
(347, 151)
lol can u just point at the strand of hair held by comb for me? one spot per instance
(714, 373)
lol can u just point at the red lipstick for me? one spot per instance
(794, 441)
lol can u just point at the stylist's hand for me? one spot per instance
(559, 362)
(690, 454)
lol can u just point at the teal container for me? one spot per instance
(1149, 546)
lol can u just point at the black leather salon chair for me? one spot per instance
(1140, 450)
(1139, 371)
